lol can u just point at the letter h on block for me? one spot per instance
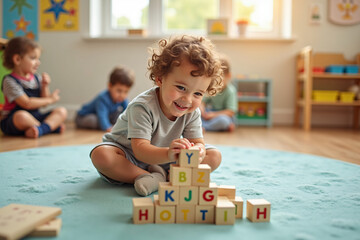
(143, 210)
(189, 157)
(258, 210)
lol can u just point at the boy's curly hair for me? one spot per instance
(198, 50)
(17, 45)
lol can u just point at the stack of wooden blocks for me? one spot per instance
(190, 197)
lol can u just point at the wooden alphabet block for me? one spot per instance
(227, 190)
(168, 194)
(163, 213)
(189, 195)
(143, 210)
(18, 220)
(189, 157)
(201, 175)
(224, 213)
(208, 195)
(204, 214)
(258, 210)
(49, 229)
(239, 203)
(180, 176)
(185, 214)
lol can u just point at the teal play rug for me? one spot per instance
(312, 197)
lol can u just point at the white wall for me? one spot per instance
(80, 68)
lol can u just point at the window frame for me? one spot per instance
(100, 11)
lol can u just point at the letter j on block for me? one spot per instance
(189, 157)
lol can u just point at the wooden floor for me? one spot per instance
(341, 144)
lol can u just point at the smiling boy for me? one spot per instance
(160, 122)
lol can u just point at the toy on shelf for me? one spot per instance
(190, 197)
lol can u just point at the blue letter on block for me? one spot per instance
(168, 195)
(189, 157)
(203, 214)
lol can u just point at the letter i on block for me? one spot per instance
(258, 210)
(189, 157)
(143, 210)
(239, 203)
(224, 213)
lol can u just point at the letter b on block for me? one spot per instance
(180, 176)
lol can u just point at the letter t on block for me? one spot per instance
(143, 210)
(258, 210)
(189, 157)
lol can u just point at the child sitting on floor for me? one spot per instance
(102, 112)
(26, 91)
(217, 112)
(161, 121)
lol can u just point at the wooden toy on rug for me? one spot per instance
(190, 197)
(258, 210)
(49, 229)
(18, 220)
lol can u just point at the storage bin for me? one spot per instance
(325, 96)
(347, 97)
(335, 69)
(351, 69)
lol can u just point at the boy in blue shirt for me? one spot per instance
(102, 112)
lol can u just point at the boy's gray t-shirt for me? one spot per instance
(143, 118)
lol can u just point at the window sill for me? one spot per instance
(212, 38)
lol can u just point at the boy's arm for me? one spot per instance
(45, 82)
(102, 112)
(35, 102)
(148, 153)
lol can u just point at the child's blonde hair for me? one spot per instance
(17, 45)
(198, 50)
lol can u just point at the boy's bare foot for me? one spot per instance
(62, 128)
(32, 132)
(231, 127)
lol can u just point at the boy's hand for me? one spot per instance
(202, 151)
(55, 96)
(176, 146)
(45, 79)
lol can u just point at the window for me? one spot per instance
(164, 17)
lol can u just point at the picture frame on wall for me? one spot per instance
(218, 26)
(344, 12)
(315, 13)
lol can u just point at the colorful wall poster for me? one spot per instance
(59, 15)
(345, 12)
(20, 18)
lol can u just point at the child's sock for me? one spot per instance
(146, 184)
(43, 129)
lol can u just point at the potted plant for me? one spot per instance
(242, 26)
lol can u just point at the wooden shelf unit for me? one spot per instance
(305, 79)
(266, 100)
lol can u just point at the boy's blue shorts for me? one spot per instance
(8, 127)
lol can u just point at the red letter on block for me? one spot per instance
(258, 213)
(211, 197)
(143, 214)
